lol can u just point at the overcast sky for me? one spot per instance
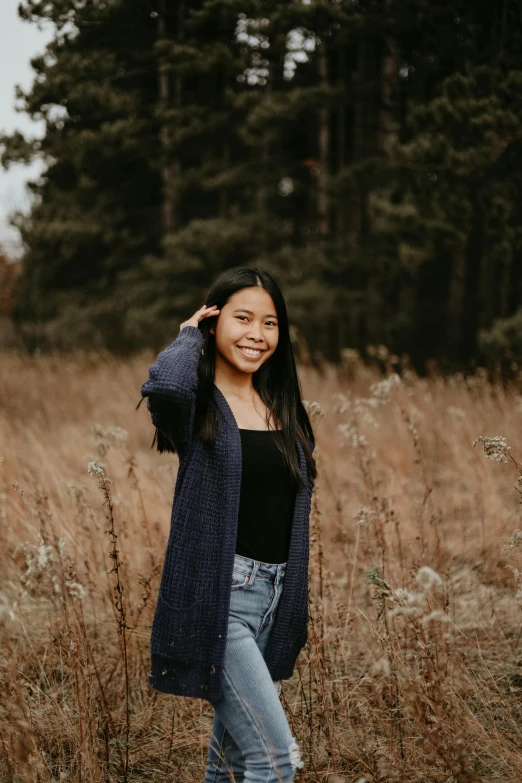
(20, 41)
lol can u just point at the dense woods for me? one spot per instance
(366, 152)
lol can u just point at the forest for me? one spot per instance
(367, 153)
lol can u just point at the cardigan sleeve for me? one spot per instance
(171, 389)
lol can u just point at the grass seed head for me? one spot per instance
(495, 448)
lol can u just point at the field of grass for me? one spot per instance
(413, 667)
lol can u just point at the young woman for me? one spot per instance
(232, 609)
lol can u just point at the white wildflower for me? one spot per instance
(40, 566)
(117, 434)
(459, 413)
(404, 610)
(455, 380)
(350, 432)
(435, 616)
(428, 578)
(401, 594)
(406, 598)
(495, 449)
(342, 403)
(96, 469)
(378, 352)
(6, 613)
(105, 437)
(76, 590)
(365, 516)
(514, 542)
(381, 667)
(44, 556)
(362, 410)
(414, 415)
(381, 391)
(314, 410)
(409, 603)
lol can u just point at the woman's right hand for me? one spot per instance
(204, 312)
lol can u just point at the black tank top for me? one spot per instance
(266, 504)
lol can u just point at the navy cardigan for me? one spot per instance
(189, 630)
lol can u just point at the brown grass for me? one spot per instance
(423, 684)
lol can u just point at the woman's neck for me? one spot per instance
(235, 384)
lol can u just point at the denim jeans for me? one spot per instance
(251, 740)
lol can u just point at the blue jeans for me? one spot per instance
(251, 740)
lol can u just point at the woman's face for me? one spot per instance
(247, 321)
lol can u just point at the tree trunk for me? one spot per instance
(223, 193)
(265, 157)
(324, 151)
(456, 302)
(388, 120)
(341, 215)
(505, 287)
(169, 170)
(354, 215)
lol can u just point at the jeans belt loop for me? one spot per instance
(253, 573)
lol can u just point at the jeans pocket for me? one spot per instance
(239, 579)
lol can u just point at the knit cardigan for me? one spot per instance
(189, 629)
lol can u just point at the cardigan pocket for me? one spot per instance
(177, 632)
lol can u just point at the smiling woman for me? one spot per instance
(225, 395)
(251, 350)
(246, 336)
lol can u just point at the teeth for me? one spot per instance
(250, 351)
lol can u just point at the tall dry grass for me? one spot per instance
(413, 668)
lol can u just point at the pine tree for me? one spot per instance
(364, 153)
(97, 206)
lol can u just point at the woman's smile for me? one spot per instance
(250, 353)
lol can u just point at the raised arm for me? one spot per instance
(174, 374)
(172, 385)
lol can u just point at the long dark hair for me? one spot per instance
(276, 381)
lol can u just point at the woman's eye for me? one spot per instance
(268, 322)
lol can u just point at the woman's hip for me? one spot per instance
(254, 595)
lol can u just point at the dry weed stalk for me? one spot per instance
(399, 680)
(96, 470)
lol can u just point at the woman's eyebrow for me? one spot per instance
(242, 310)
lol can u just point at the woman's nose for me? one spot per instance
(255, 333)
